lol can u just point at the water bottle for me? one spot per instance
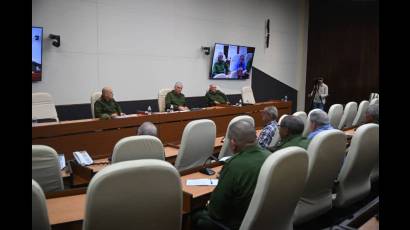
(171, 108)
(149, 110)
(286, 98)
(240, 102)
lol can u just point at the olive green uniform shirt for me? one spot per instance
(174, 99)
(104, 109)
(294, 140)
(231, 197)
(217, 96)
(220, 67)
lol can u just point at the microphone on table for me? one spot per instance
(205, 170)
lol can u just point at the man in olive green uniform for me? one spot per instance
(215, 97)
(176, 98)
(106, 107)
(220, 66)
(290, 131)
(231, 197)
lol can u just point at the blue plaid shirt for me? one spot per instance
(265, 137)
(318, 130)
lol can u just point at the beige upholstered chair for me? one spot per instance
(374, 101)
(247, 95)
(197, 144)
(43, 106)
(94, 97)
(161, 99)
(39, 215)
(326, 152)
(137, 194)
(275, 197)
(361, 112)
(45, 168)
(138, 147)
(302, 115)
(349, 114)
(355, 176)
(335, 115)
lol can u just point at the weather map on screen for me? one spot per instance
(231, 62)
(36, 53)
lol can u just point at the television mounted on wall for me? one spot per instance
(36, 53)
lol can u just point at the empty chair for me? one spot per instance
(161, 99)
(43, 106)
(275, 197)
(326, 152)
(335, 115)
(225, 150)
(355, 175)
(361, 112)
(247, 95)
(197, 144)
(374, 101)
(39, 215)
(94, 97)
(138, 194)
(45, 168)
(138, 147)
(302, 115)
(349, 114)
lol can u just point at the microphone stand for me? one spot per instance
(205, 170)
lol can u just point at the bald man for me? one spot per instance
(106, 107)
(237, 181)
(215, 97)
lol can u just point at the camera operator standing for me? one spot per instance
(320, 92)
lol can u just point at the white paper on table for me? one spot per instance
(61, 160)
(202, 182)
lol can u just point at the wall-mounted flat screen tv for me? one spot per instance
(231, 62)
(36, 53)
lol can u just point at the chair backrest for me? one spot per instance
(94, 97)
(197, 144)
(373, 95)
(39, 215)
(138, 194)
(326, 152)
(275, 197)
(225, 150)
(43, 106)
(335, 115)
(302, 115)
(361, 112)
(247, 95)
(276, 137)
(45, 168)
(355, 175)
(161, 99)
(349, 114)
(138, 147)
(306, 130)
(374, 101)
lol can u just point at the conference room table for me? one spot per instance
(98, 137)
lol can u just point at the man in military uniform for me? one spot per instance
(215, 97)
(176, 98)
(220, 66)
(106, 107)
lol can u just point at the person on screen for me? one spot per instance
(215, 97)
(176, 98)
(237, 181)
(220, 66)
(241, 63)
(269, 116)
(106, 107)
(35, 67)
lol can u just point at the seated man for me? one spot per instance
(147, 128)
(176, 98)
(106, 107)
(220, 66)
(269, 116)
(372, 114)
(290, 130)
(215, 97)
(231, 197)
(318, 122)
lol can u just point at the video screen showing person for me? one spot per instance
(231, 62)
(36, 53)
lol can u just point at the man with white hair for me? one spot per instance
(220, 66)
(147, 128)
(106, 107)
(318, 122)
(176, 98)
(269, 116)
(372, 114)
(215, 97)
(231, 197)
